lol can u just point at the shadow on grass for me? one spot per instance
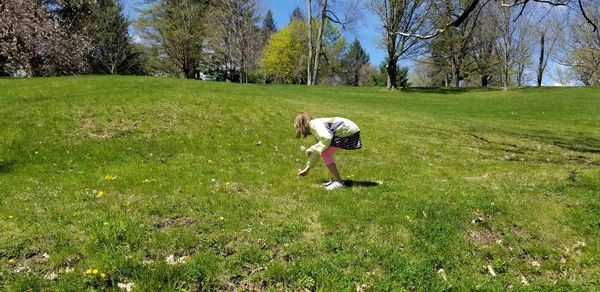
(446, 90)
(6, 166)
(358, 183)
(575, 142)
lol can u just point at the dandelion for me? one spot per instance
(88, 271)
(103, 276)
(87, 190)
(100, 195)
(105, 223)
(10, 216)
(11, 261)
(95, 271)
(210, 162)
(221, 218)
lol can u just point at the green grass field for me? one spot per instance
(186, 185)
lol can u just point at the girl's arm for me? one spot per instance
(324, 137)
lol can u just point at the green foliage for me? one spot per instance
(200, 190)
(354, 59)
(285, 55)
(269, 23)
(297, 14)
(331, 68)
(380, 79)
(283, 59)
(113, 51)
(175, 31)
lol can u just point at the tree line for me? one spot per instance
(450, 43)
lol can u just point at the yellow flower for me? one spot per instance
(11, 261)
(95, 271)
(88, 271)
(10, 216)
(105, 223)
(87, 190)
(103, 275)
(108, 177)
(221, 218)
(100, 194)
(210, 161)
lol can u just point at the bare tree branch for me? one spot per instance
(586, 16)
(471, 7)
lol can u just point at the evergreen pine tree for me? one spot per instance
(352, 62)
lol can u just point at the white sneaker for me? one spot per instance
(334, 185)
(328, 182)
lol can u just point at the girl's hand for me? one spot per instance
(303, 172)
(308, 153)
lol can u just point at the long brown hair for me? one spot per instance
(301, 124)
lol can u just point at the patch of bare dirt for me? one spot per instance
(483, 237)
(175, 221)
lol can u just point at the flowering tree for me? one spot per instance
(33, 42)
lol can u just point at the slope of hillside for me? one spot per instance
(169, 183)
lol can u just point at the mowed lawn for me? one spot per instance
(171, 184)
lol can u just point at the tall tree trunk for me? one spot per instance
(505, 70)
(485, 81)
(309, 80)
(392, 73)
(455, 74)
(540, 73)
(520, 70)
(319, 40)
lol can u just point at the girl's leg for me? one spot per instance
(328, 160)
(334, 172)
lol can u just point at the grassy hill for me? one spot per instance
(177, 184)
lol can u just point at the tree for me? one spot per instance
(513, 44)
(269, 23)
(36, 42)
(483, 56)
(399, 16)
(268, 26)
(314, 48)
(332, 56)
(464, 11)
(297, 14)
(353, 61)
(315, 39)
(177, 29)
(550, 36)
(382, 78)
(283, 59)
(235, 38)
(452, 48)
(584, 49)
(367, 75)
(523, 51)
(113, 51)
(423, 73)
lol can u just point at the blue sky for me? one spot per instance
(364, 29)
